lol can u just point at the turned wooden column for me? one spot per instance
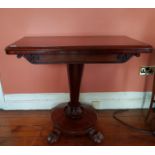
(74, 108)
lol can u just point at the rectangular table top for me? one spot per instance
(77, 44)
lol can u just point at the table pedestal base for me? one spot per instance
(74, 118)
(84, 125)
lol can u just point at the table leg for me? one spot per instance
(74, 109)
(74, 118)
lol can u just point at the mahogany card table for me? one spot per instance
(75, 118)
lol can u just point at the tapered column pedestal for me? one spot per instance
(74, 118)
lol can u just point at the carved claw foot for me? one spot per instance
(95, 136)
(54, 136)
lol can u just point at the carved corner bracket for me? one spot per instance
(125, 57)
(32, 58)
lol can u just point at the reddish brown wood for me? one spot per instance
(76, 51)
(74, 118)
(72, 44)
(71, 125)
(79, 59)
(26, 128)
(74, 75)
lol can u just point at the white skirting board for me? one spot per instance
(102, 100)
(1, 95)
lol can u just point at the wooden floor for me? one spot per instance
(32, 127)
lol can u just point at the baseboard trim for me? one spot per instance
(99, 100)
(1, 95)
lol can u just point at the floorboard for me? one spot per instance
(28, 128)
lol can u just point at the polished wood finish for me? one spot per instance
(78, 49)
(74, 126)
(74, 77)
(82, 44)
(74, 118)
(75, 51)
(26, 128)
(74, 109)
(78, 59)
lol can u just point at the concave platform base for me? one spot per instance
(84, 125)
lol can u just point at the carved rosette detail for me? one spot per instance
(73, 112)
(123, 57)
(33, 58)
(47, 59)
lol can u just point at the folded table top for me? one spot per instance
(77, 45)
